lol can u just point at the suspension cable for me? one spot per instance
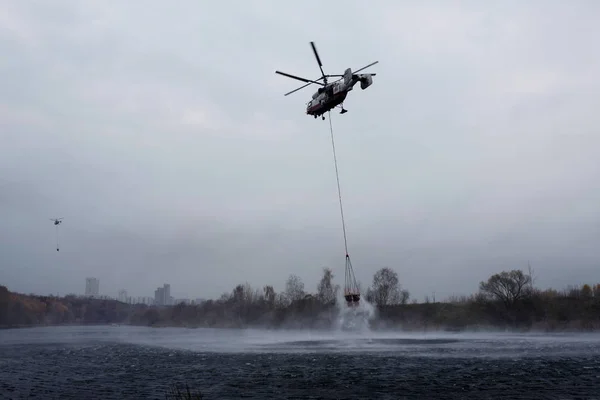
(337, 177)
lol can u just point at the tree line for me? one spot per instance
(507, 300)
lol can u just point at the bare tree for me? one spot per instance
(508, 287)
(532, 277)
(385, 289)
(326, 290)
(238, 294)
(269, 294)
(294, 288)
(404, 296)
(281, 300)
(225, 297)
(245, 294)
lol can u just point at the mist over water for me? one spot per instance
(117, 362)
(360, 340)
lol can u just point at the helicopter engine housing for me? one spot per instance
(366, 80)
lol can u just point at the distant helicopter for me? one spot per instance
(57, 221)
(331, 95)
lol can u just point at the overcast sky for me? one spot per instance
(160, 132)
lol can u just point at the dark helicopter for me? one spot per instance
(331, 95)
(57, 221)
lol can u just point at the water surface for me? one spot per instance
(132, 362)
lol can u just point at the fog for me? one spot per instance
(258, 341)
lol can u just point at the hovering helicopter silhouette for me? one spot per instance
(331, 95)
(57, 221)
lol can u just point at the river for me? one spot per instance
(124, 362)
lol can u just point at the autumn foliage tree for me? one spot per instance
(586, 291)
(596, 291)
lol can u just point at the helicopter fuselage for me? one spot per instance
(326, 99)
(334, 94)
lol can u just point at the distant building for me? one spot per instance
(159, 296)
(168, 299)
(146, 300)
(162, 295)
(92, 287)
(122, 296)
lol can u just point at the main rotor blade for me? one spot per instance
(301, 87)
(298, 78)
(373, 63)
(317, 57)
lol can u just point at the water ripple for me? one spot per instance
(410, 368)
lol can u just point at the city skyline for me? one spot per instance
(162, 295)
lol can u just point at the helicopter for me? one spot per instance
(57, 221)
(333, 94)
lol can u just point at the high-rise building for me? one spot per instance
(92, 286)
(159, 296)
(162, 295)
(122, 296)
(167, 288)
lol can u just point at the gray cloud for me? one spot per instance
(161, 134)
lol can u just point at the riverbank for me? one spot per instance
(572, 310)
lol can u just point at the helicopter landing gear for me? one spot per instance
(344, 111)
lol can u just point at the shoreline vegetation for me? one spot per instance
(507, 301)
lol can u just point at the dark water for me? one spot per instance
(140, 363)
